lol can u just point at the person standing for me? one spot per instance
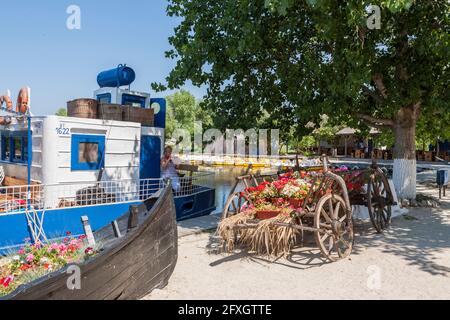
(169, 168)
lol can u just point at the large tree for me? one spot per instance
(296, 59)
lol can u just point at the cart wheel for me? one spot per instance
(233, 205)
(378, 201)
(334, 219)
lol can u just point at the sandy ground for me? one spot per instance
(410, 261)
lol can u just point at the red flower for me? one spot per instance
(25, 267)
(251, 190)
(68, 233)
(89, 251)
(5, 282)
(82, 237)
(261, 187)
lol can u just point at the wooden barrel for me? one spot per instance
(82, 108)
(110, 111)
(134, 114)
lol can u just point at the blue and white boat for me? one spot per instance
(73, 167)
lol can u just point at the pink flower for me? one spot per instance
(62, 248)
(30, 258)
(21, 251)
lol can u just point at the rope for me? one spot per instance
(35, 223)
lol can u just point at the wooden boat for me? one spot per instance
(128, 267)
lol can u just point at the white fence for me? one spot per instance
(39, 197)
(19, 198)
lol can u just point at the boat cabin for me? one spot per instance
(66, 167)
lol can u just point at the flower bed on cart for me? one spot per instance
(34, 261)
(278, 201)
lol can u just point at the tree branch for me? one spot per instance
(378, 123)
(378, 80)
(376, 97)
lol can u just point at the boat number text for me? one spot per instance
(63, 131)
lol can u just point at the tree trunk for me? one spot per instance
(405, 165)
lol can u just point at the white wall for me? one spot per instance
(122, 149)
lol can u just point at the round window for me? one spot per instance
(156, 107)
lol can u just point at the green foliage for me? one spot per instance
(62, 112)
(285, 61)
(183, 111)
(326, 129)
(433, 125)
(307, 143)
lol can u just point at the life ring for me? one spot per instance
(7, 100)
(22, 101)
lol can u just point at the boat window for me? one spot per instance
(135, 101)
(14, 147)
(87, 152)
(104, 98)
(17, 143)
(6, 148)
(25, 148)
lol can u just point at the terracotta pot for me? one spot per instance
(296, 203)
(266, 214)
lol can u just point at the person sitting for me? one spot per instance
(169, 168)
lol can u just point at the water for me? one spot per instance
(224, 180)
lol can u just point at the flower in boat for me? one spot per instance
(33, 261)
(30, 258)
(89, 251)
(5, 282)
(25, 267)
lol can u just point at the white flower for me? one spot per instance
(44, 260)
(290, 190)
(16, 258)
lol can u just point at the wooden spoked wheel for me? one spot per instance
(334, 220)
(234, 205)
(379, 201)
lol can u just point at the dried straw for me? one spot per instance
(266, 239)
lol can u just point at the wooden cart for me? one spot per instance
(327, 209)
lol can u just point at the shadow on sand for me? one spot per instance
(417, 238)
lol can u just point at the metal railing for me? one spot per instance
(80, 194)
(192, 182)
(68, 195)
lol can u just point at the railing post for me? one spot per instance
(88, 230)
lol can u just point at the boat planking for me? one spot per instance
(128, 267)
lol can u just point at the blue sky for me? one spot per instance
(37, 49)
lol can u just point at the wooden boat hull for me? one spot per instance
(129, 267)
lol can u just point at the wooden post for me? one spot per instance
(133, 217)
(88, 230)
(346, 148)
(116, 229)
